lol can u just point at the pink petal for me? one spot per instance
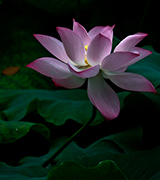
(50, 67)
(85, 73)
(103, 97)
(99, 48)
(73, 45)
(142, 54)
(54, 46)
(108, 32)
(69, 82)
(131, 82)
(58, 71)
(81, 32)
(97, 30)
(129, 42)
(117, 60)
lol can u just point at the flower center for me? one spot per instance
(86, 60)
(86, 48)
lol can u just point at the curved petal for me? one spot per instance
(129, 42)
(73, 45)
(50, 67)
(81, 32)
(142, 54)
(69, 82)
(99, 48)
(117, 60)
(96, 30)
(86, 72)
(132, 82)
(54, 46)
(108, 32)
(103, 97)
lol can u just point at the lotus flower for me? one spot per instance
(83, 55)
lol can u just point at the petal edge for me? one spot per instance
(103, 97)
(129, 42)
(132, 82)
(50, 67)
(81, 31)
(99, 48)
(85, 73)
(53, 45)
(73, 45)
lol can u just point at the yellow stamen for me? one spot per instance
(86, 60)
(86, 47)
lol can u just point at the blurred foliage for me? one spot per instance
(21, 52)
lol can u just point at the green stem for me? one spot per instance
(50, 160)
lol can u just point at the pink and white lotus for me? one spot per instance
(83, 55)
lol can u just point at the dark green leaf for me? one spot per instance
(106, 148)
(10, 131)
(155, 98)
(105, 170)
(123, 148)
(55, 106)
(115, 42)
(122, 96)
(30, 171)
(141, 164)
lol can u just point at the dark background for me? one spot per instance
(42, 16)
